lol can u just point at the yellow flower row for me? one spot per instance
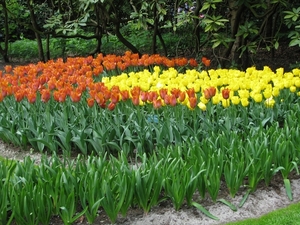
(259, 85)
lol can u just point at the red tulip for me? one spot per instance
(111, 106)
(225, 93)
(209, 92)
(157, 103)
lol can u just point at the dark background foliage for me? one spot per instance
(233, 33)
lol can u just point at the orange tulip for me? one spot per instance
(135, 100)
(144, 96)
(163, 92)
(182, 96)
(173, 100)
(114, 97)
(59, 96)
(111, 106)
(191, 92)
(152, 95)
(209, 92)
(19, 95)
(205, 61)
(31, 96)
(8, 68)
(176, 92)
(45, 95)
(124, 95)
(75, 96)
(193, 62)
(135, 91)
(90, 102)
(100, 98)
(193, 102)
(157, 103)
(225, 93)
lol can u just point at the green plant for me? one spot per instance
(148, 183)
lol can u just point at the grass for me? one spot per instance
(286, 216)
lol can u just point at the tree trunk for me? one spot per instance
(155, 28)
(48, 47)
(4, 51)
(233, 51)
(123, 40)
(36, 32)
(197, 28)
(98, 30)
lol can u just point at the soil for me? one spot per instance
(263, 200)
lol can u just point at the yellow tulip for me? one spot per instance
(293, 89)
(270, 102)
(225, 103)
(257, 97)
(235, 100)
(275, 91)
(202, 106)
(245, 102)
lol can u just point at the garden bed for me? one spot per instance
(199, 136)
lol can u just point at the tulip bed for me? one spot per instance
(145, 129)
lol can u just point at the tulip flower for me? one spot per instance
(90, 102)
(209, 92)
(205, 61)
(111, 106)
(202, 106)
(157, 103)
(226, 93)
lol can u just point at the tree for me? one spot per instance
(248, 25)
(4, 50)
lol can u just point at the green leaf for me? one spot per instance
(276, 45)
(244, 199)
(294, 42)
(288, 189)
(230, 205)
(205, 211)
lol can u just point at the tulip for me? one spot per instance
(193, 102)
(8, 68)
(124, 95)
(182, 96)
(202, 106)
(135, 100)
(90, 102)
(163, 92)
(111, 106)
(144, 96)
(157, 103)
(209, 92)
(45, 95)
(245, 102)
(270, 102)
(205, 61)
(75, 96)
(226, 93)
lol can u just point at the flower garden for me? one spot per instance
(143, 130)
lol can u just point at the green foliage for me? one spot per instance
(26, 50)
(288, 215)
(292, 21)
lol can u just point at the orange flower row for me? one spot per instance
(77, 75)
(112, 62)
